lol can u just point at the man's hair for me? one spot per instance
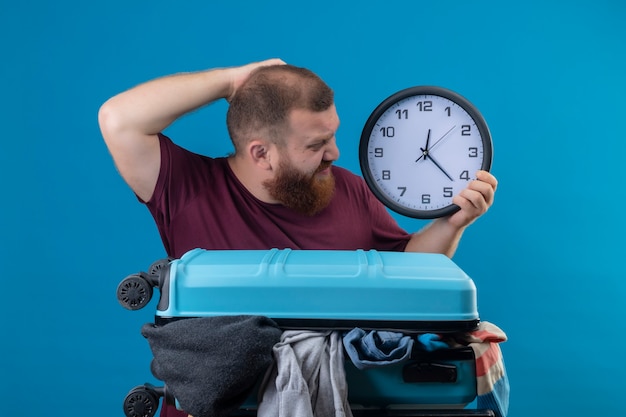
(262, 104)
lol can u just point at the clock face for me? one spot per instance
(420, 147)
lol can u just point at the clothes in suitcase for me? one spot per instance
(410, 293)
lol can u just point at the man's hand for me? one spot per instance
(474, 200)
(238, 75)
(443, 234)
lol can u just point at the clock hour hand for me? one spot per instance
(429, 156)
(425, 150)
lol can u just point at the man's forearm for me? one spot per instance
(152, 106)
(438, 237)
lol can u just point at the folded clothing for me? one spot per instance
(211, 364)
(376, 348)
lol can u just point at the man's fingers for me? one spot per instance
(487, 177)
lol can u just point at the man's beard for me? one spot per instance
(302, 192)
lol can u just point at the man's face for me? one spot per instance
(303, 180)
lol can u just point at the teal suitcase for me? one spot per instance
(412, 293)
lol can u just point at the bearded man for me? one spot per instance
(279, 189)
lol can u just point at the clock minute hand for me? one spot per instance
(439, 166)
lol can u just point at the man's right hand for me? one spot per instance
(240, 74)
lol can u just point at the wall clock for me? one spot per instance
(420, 147)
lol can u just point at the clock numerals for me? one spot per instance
(386, 175)
(388, 132)
(402, 113)
(402, 191)
(473, 152)
(448, 192)
(378, 152)
(466, 130)
(426, 105)
(464, 175)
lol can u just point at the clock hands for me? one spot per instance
(427, 155)
(424, 151)
(441, 138)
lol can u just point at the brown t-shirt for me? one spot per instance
(198, 202)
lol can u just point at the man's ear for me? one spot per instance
(259, 152)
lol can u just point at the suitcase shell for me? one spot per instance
(308, 289)
(321, 289)
(439, 379)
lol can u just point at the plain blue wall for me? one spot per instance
(547, 259)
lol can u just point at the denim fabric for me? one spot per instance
(376, 348)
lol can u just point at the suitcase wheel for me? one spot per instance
(141, 401)
(134, 292)
(156, 267)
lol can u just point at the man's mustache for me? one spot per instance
(323, 166)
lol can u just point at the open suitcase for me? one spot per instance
(412, 293)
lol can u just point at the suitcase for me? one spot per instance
(411, 293)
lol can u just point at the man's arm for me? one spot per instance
(130, 121)
(443, 235)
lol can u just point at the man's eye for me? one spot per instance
(319, 145)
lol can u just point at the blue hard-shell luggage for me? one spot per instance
(412, 293)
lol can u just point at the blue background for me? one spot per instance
(547, 259)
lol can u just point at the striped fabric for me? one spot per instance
(491, 378)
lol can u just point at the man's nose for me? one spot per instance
(332, 152)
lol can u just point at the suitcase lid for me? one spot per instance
(322, 289)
